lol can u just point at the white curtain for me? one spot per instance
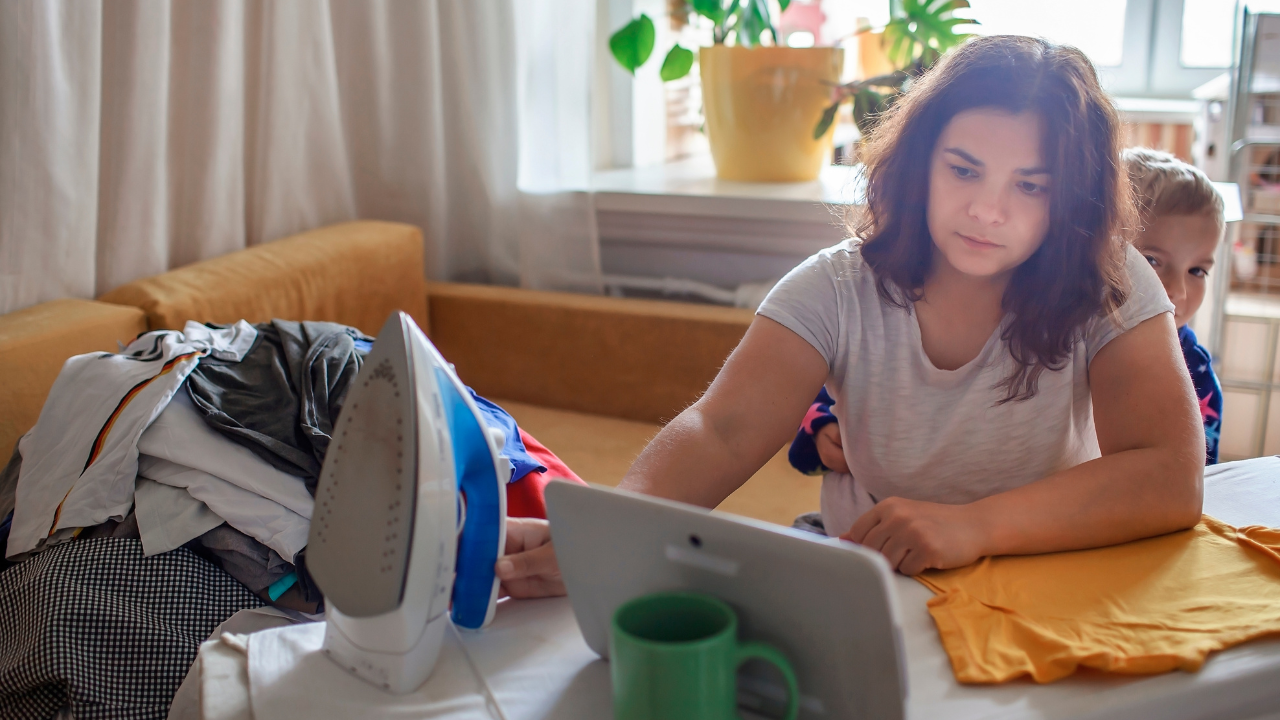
(140, 135)
(556, 55)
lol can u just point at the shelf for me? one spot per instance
(1263, 134)
(1157, 110)
(1252, 305)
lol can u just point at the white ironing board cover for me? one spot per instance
(538, 666)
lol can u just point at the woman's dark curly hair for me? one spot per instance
(1078, 272)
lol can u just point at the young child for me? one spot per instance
(1181, 224)
(1002, 360)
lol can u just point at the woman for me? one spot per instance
(1004, 364)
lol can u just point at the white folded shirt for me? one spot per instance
(168, 517)
(80, 461)
(181, 436)
(264, 520)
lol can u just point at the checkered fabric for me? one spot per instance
(94, 625)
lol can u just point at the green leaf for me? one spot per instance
(749, 26)
(868, 107)
(893, 80)
(732, 18)
(713, 10)
(824, 124)
(633, 44)
(760, 9)
(920, 31)
(899, 43)
(677, 64)
(782, 5)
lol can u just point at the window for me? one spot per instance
(1208, 27)
(1189, 27)
(1095, 26)
(1144, 49)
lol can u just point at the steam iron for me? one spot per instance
(410, 513)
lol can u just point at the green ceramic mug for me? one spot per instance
(675, 656)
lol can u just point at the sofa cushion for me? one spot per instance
(353, 273)
(636, 359)
(601, 449)
(36, 341)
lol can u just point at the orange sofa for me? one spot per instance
(593, 378)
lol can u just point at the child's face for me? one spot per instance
(1180, 248)
(988, 192)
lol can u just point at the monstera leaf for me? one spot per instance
(923, 30)
(918, 33)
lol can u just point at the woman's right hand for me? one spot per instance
(528, 568)
(830, 449)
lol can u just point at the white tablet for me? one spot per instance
(828, 605)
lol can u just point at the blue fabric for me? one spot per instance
(279, 587)
(804, 450)
(1208, 390)
(5, 526)
(522, 463)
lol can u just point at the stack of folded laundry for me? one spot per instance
(205, 443)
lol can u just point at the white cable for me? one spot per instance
(491, 701)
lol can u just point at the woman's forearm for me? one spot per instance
(661, 471)
(690, 461)
(1116, 498)
(750, 411)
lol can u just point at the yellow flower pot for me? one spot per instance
(761, 106)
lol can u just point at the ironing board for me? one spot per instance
(537, 666)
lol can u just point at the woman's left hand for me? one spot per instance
(915, 536)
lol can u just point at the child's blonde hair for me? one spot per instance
(1164, 185)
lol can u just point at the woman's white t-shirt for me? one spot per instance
(911, 430)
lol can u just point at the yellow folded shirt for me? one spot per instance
(1148, 606)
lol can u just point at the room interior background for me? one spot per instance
(141, 135)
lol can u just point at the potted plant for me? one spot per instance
(759, 99)
(919, 32)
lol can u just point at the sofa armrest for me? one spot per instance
(36, 341)
(636, 359)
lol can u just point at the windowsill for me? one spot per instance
(1157, 110)
(690, 187)
(679, 220)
